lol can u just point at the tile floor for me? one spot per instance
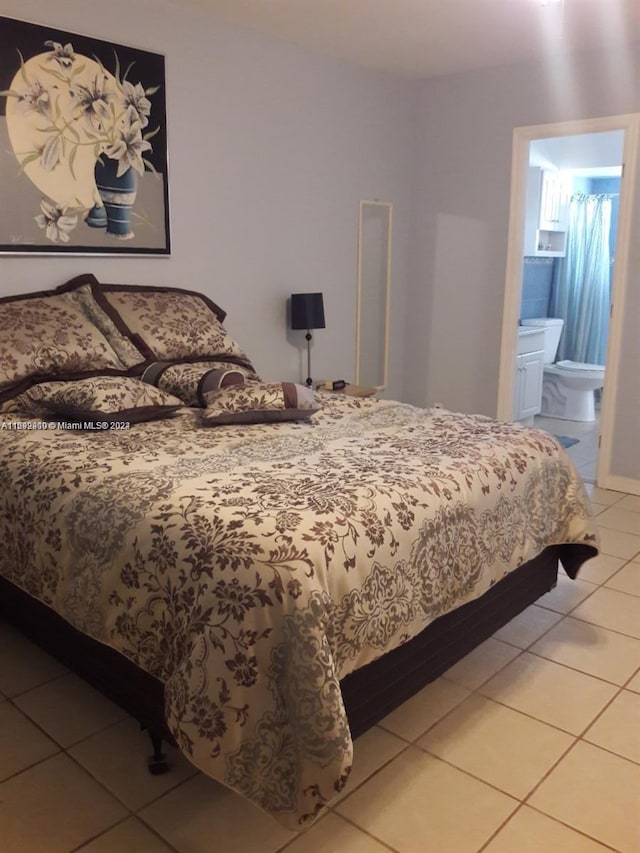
(585, 453)
(531, 744)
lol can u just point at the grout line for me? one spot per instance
(551, 818)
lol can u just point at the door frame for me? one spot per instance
(522, 138)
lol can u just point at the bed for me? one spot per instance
(257, 573)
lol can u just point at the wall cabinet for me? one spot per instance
(547, 213)
(529, 374)
(554, 201)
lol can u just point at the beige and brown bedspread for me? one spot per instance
(253, 567)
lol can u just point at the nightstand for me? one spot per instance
(350, 390)
(358, 390)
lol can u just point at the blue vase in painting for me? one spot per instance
(118, 195)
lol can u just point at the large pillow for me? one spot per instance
(129, 349)
(106, 399)
(258, 402)
(191, 380)
(48, 335)
(172, 323)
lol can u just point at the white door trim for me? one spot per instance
(522, 137)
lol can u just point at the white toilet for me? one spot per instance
(567, 386)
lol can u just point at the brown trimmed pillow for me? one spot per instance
(173, 324)
(99, 398)
(129, 349)
(191, 380)
(257, 403)
(48, 335)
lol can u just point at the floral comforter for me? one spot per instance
(251, 568)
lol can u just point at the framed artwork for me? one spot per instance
(83, 145)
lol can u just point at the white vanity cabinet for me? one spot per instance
(529, 373)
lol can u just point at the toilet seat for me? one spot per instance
(576, 373)
(567, 364)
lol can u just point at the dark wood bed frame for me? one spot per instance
(369, 693)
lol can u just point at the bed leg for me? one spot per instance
(157, 763)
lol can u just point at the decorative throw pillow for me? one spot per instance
(174, 324)
(99, 398)
(257, 402)
(44, 335)
(190, 380)
(123, 342)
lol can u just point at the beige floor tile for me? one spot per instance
(550, 692)
(332, 834)
(617, 518)
(527, 627)
(418, 804)
(371, 751)
(618, 729)
(603, 496)
(200, 810)
(598, 508)
(600, 568)
(497, 744)
(631, 502)
(117, 757)
(69, 709)
(131, 836)
(480, 664)
(591, 649)
(566, 595)
(54, 807)
(619, 544)
(627, 579)
(419, 713)
(611, 609)
(595, 792)
(22, 664)
(21, 743)
(634, 684)
(588, 471)
(529, 831)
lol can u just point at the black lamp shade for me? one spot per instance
(307, 311)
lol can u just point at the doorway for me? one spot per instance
(557, 145)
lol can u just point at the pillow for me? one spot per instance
(172, 324)
(99, 398)
(47, 334)
(129, 349)
(257, 402)
(190, 380)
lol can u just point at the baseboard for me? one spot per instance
(620, 484)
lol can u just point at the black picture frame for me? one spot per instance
(83, 145)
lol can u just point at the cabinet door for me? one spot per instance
(554, 202)
(529, 370)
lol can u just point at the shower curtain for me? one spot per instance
(581, 291)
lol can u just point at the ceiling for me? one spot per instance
(426, 38)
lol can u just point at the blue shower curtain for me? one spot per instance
(581, 292)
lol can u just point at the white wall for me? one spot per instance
(454, 306)
(270, 150)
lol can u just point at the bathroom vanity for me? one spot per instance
(529, 373)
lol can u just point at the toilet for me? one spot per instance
(567, 386)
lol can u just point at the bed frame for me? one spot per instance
(369, 693)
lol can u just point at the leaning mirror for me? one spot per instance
(373, 296)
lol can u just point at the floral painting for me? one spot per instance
(83, 145)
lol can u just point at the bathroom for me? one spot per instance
(571, 222)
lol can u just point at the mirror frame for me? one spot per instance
(387, 289)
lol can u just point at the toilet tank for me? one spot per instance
(552, 330)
